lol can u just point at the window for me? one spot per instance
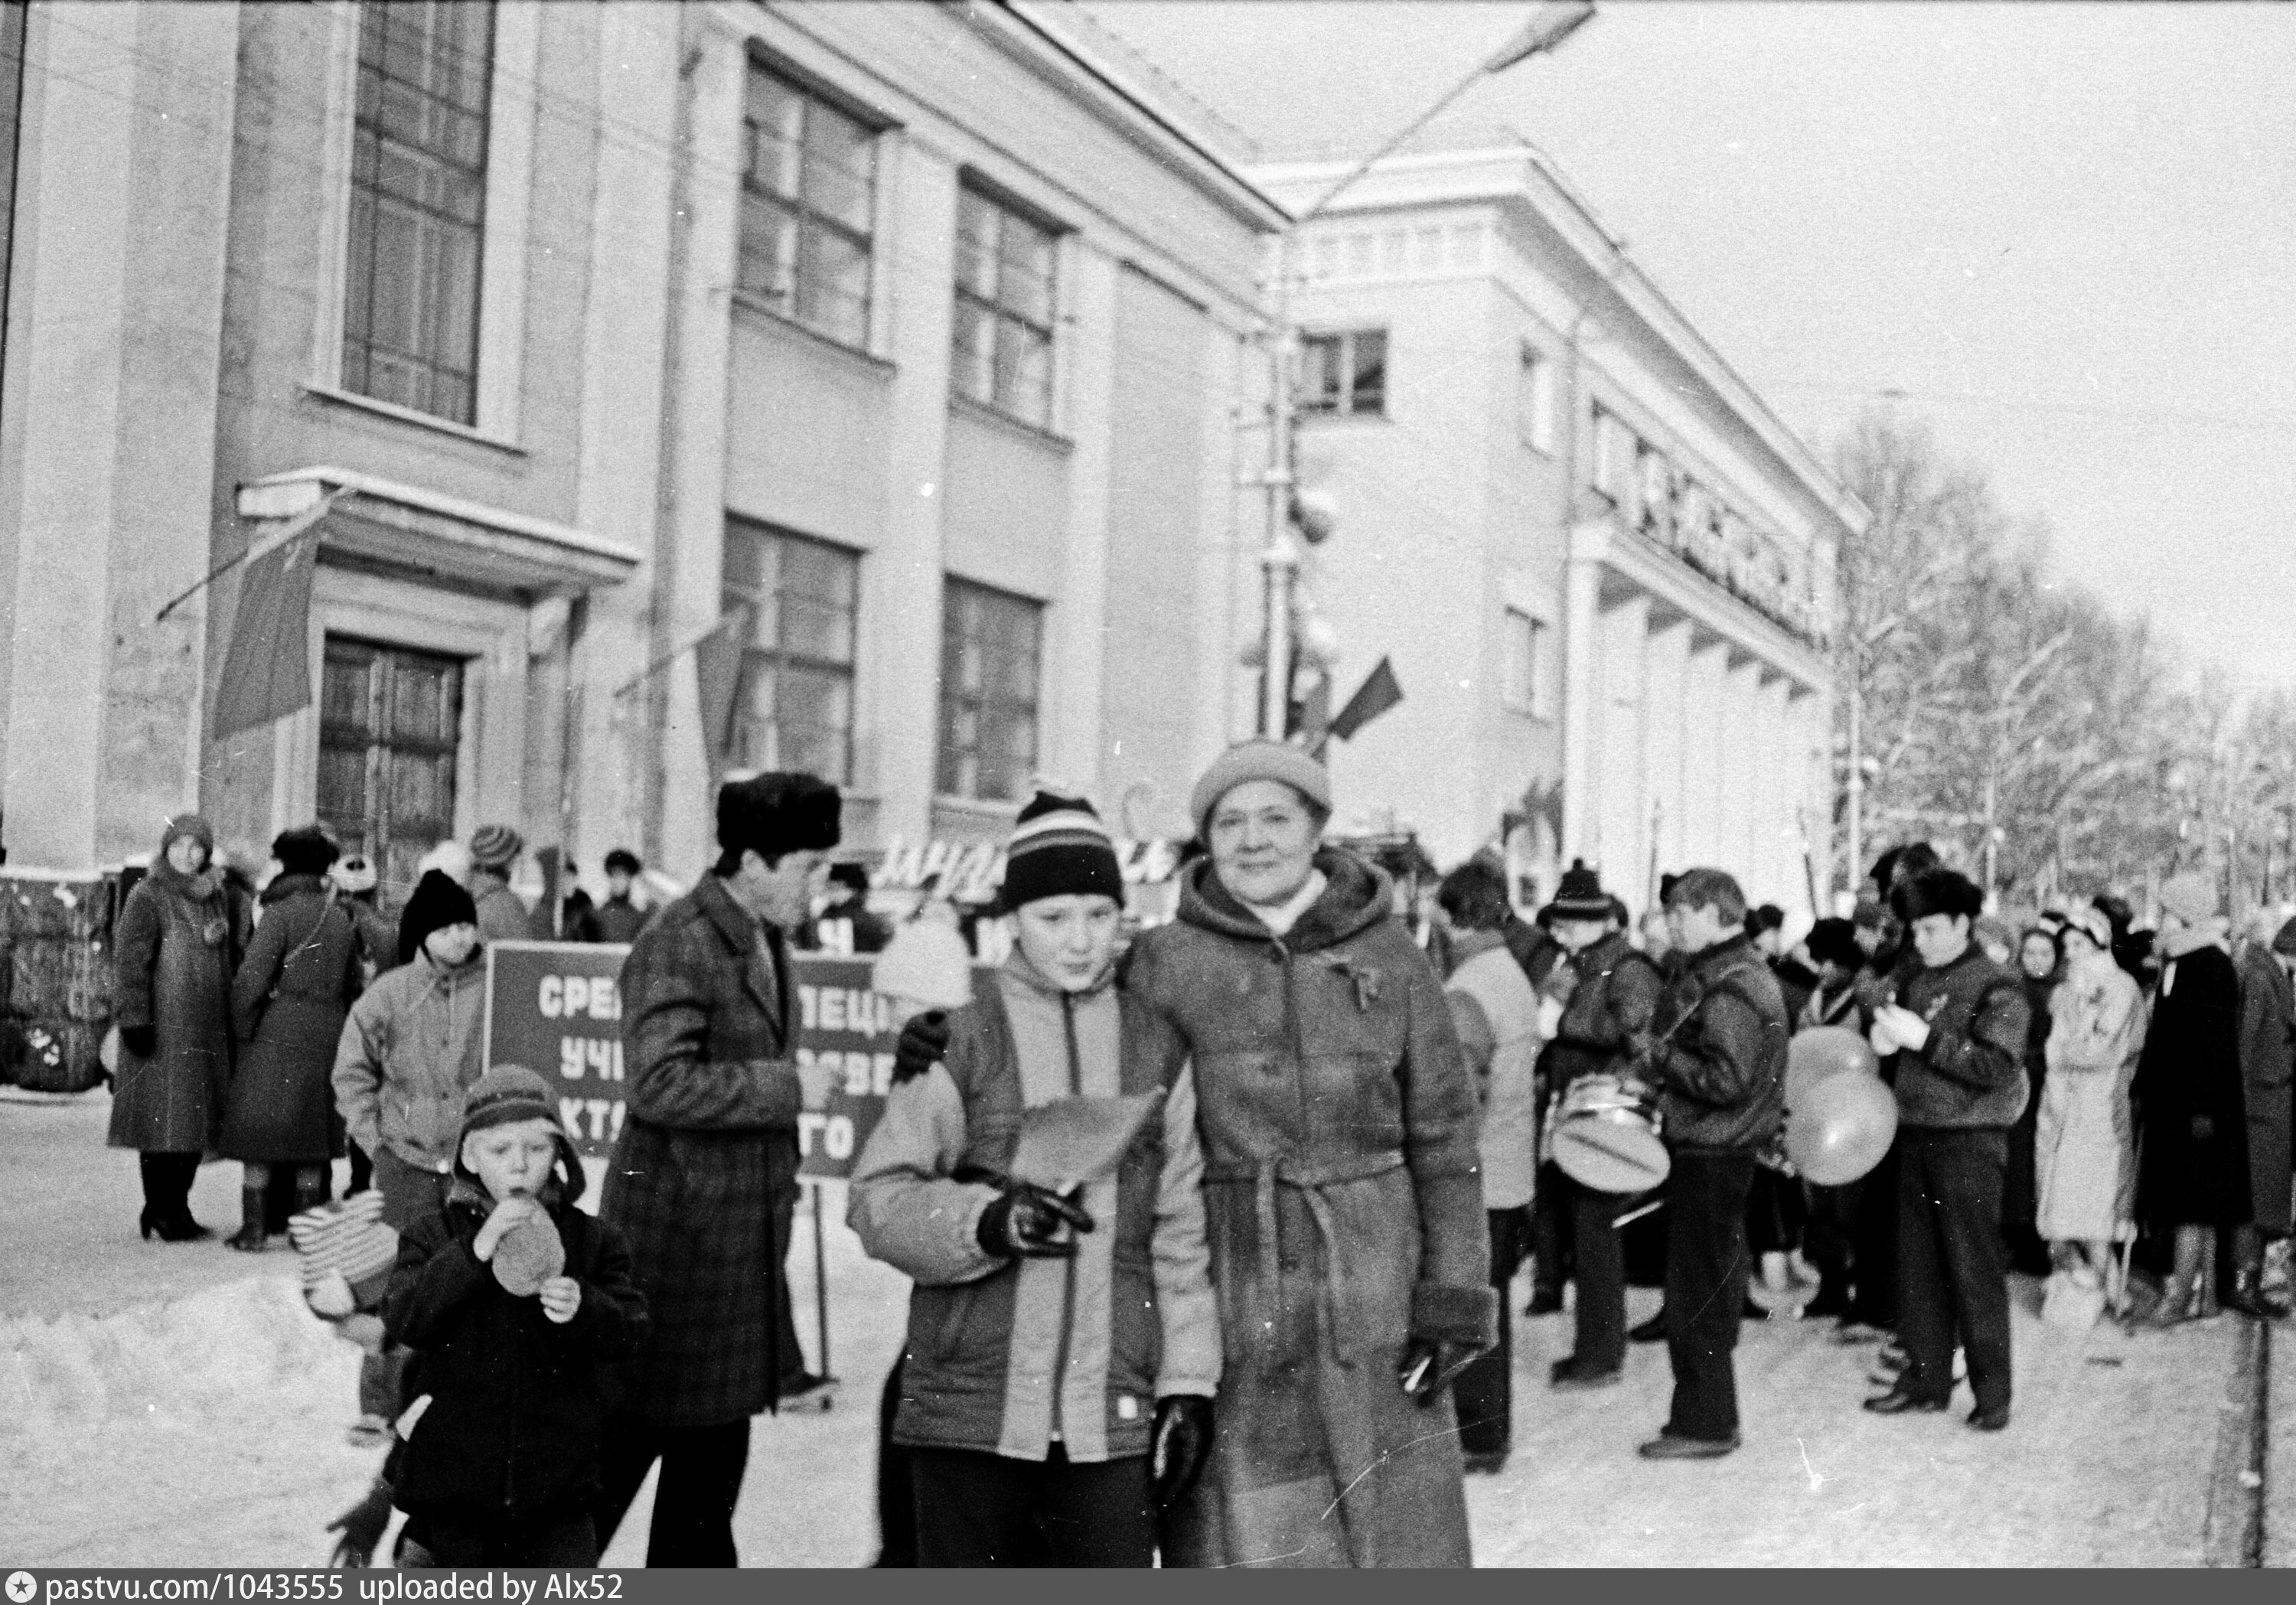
(418, 201)
(1522, 688)
(1534, 416)
(388, 724)
(1002, 344)
(1344, 373)
(793, 704)
(988, 655)
(808, 194)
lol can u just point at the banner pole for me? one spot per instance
(821, 1279)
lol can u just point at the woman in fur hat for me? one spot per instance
(287, 1003)
(2194, 1176)
(178, 940)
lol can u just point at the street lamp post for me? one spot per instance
(1551, 23)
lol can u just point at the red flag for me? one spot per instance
(1380, 692)
(267, 673)
(718, 675)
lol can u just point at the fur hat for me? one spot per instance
(496, 848)
(624, 860)
(1059, 847)
(305, 851)
(1579, 896)
(1938, 891)
(511, 1092)
(353, 875)
(1259, 758)
(776, 814)
(2192, 899)
(1834, 942)
(437, 903)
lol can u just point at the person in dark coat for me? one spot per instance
(1829, 1242)
(703, 1181)
(178, 940)
(1614, 994)
(1350, 1248)
(287, 1003)
(2039, 959)
(502, 1468)
(2192, 1174)
(1958, 1029)
(2268, 1024)
(618, 919)
(1717, 1052)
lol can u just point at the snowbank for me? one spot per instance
(183, 1362)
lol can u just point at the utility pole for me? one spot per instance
(1279, 559)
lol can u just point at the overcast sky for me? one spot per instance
(2066, 231)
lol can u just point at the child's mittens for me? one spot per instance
(331, 1297)
(527, 1255)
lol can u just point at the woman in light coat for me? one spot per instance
(2085, 1146)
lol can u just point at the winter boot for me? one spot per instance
(251, 1237)
(310, 1189)
(2248, 1294)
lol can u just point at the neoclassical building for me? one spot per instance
(1603, 568)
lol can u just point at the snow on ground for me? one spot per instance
(175, 1405)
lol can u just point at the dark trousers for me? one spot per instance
(1875, 1243)
(565, 1538)
(1550, 1234)
(167, 1179)
(896, 1490)
(1951, 1278)
(701, 1470)
(1599, 1342)
(1706, 1265)
(984, 1510)
(362, 1170)
(1829, 1242)
(1484, 1391)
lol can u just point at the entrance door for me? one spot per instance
(388, 724)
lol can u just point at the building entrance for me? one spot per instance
(389, 722)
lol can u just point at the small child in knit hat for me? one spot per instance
(515, 1298)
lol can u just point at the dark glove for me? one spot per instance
(1026, 1222)
(139, 1040)
(2203, 1129)
(1427, 1366)
(361, 1529)
(924, 1040)
(1183, 1439)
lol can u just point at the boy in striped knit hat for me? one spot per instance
(1063, 1345)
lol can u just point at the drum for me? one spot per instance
(1606, 1136)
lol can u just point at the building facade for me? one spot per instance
(1602, 569)
(672, 391)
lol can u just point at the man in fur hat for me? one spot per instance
(708, 1156)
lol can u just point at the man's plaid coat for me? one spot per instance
(703, 1182)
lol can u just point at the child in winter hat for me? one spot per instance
(515, 1298)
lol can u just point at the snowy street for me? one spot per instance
(177, 1406)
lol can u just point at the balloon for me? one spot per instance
(1840, 1128)
(1821, 1052)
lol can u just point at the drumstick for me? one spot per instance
(1635, 1215)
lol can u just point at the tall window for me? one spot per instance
(808, 194)
(1344, 373)
(1002, 344)
(793, 707)
(1522, 689)
(988, 659)
(418, 204)
(1534, 407)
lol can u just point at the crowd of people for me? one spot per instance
(1206, 1224)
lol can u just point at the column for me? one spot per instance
(1741, 760)
(1582, 693)
(1704, 737)
(1665, 744)
(1625, 810)
(123, 209)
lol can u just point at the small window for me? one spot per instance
(1535, 400)
(1523, 686)
(808, 198)
(1001, 344)
(1344, 374)
(1614, 458)
(793, 705)
(989, 651)
(418, 206)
